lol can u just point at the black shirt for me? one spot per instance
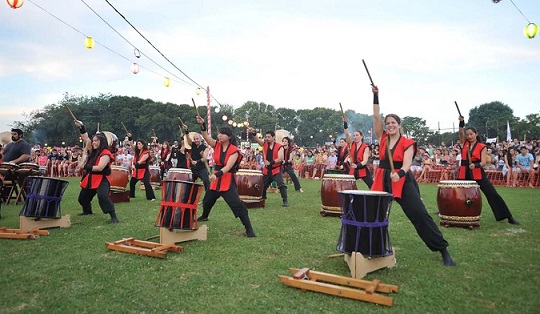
(196, 154)
(15, 150)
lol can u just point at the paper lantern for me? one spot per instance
(15, 4)
(89, 42)
(531, 30)
(224, 118)
(135, 68)
(137, 53)
(230, 122)
(234, 124)
(198, 91)
(167, 82)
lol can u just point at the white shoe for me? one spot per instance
(301, 190)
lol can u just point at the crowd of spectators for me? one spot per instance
(513, 163)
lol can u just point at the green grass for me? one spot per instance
(71, 270)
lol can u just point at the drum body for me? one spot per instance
(155, 175)
(178, 209)
(43, 171)
(9, 170)
(459, 203)
(364, 223)
(43, 196)
(179, 174)
(331, 184)
(119, 178)
(25, 170)
(250, 185)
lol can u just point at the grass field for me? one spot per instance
(71, 270)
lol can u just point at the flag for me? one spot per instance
(508, 134)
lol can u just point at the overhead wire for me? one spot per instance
(101, 44)
(150, 43)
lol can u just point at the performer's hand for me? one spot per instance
(266, 163)
(194, 162)
(128, 135)
(78, 123)
(353, 166)
(200, 120)
(471, 166)
(394, 176)
(375, 89)
(461, 118)
(345, 119)
(213, 178)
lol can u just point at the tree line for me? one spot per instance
(145, 118)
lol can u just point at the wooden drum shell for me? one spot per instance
(459, 203)
(181, 174)
(118, 178)
(250, 184)
(331, 184)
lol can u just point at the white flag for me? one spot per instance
(508, 134)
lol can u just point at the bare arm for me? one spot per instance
(348, 137)
(205, 135)
(103, 162)
(259, 140)
(281, 155)
(377, 122)
(461, 131)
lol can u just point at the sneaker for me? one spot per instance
(301, 190)
(114, 221)
(152, 200)
(202, 218)
(285, 204)
(85, 214)
(250, 233)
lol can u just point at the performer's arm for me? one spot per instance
(205, 134)
(259, 140)
(461, 130)
(103, 162)
(144, 158)
(365, 159)
(281, 155)
(377, 121)
(407, 161)
(348, 137)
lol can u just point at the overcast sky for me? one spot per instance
(423, 55)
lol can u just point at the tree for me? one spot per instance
(416, 129)
(490, 119)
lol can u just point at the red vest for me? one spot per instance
(342, 154)
(397, 156)
(93, 180)
(276, 167)
(476, 156)
(358, 159)
(139, 173)
(223, 183)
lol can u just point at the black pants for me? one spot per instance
(203, 174)
(231, 198)
(86, 196)
(147, 186)
(368, 179)
(414, 209)
(292, 175)
(278, 177)
(496, 202)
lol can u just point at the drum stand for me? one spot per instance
(44, 223)
(6, 233)
(131, 245)
(167, 236)
(119, 196)
(306, 279)
(360, 266)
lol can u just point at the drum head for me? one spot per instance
(367, 193)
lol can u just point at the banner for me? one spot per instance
(508, 134)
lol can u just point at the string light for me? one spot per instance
(135, 68)
(89, 42)
(15, 4)
(167, 82)
(531, 30)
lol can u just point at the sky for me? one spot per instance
(422, 54)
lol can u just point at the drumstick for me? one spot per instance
(342, 113)
(196, 110)
(124, 127)
(389, 153)
(369, 75)
(206, 165)
(181, 122)
(70, 112)
(457, 107)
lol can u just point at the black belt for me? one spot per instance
(385, 164)
(464, 163)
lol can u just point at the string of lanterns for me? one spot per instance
(531, 30)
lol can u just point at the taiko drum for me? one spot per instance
(459, 203)
(119, 178)
(330, 186)
(179, 174)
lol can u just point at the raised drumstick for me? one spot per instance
(369, 75)
(457, 107)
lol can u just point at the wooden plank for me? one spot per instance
(134, 250)
(348, 281)
(11, 235)
(336, 290)
(373, 286)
